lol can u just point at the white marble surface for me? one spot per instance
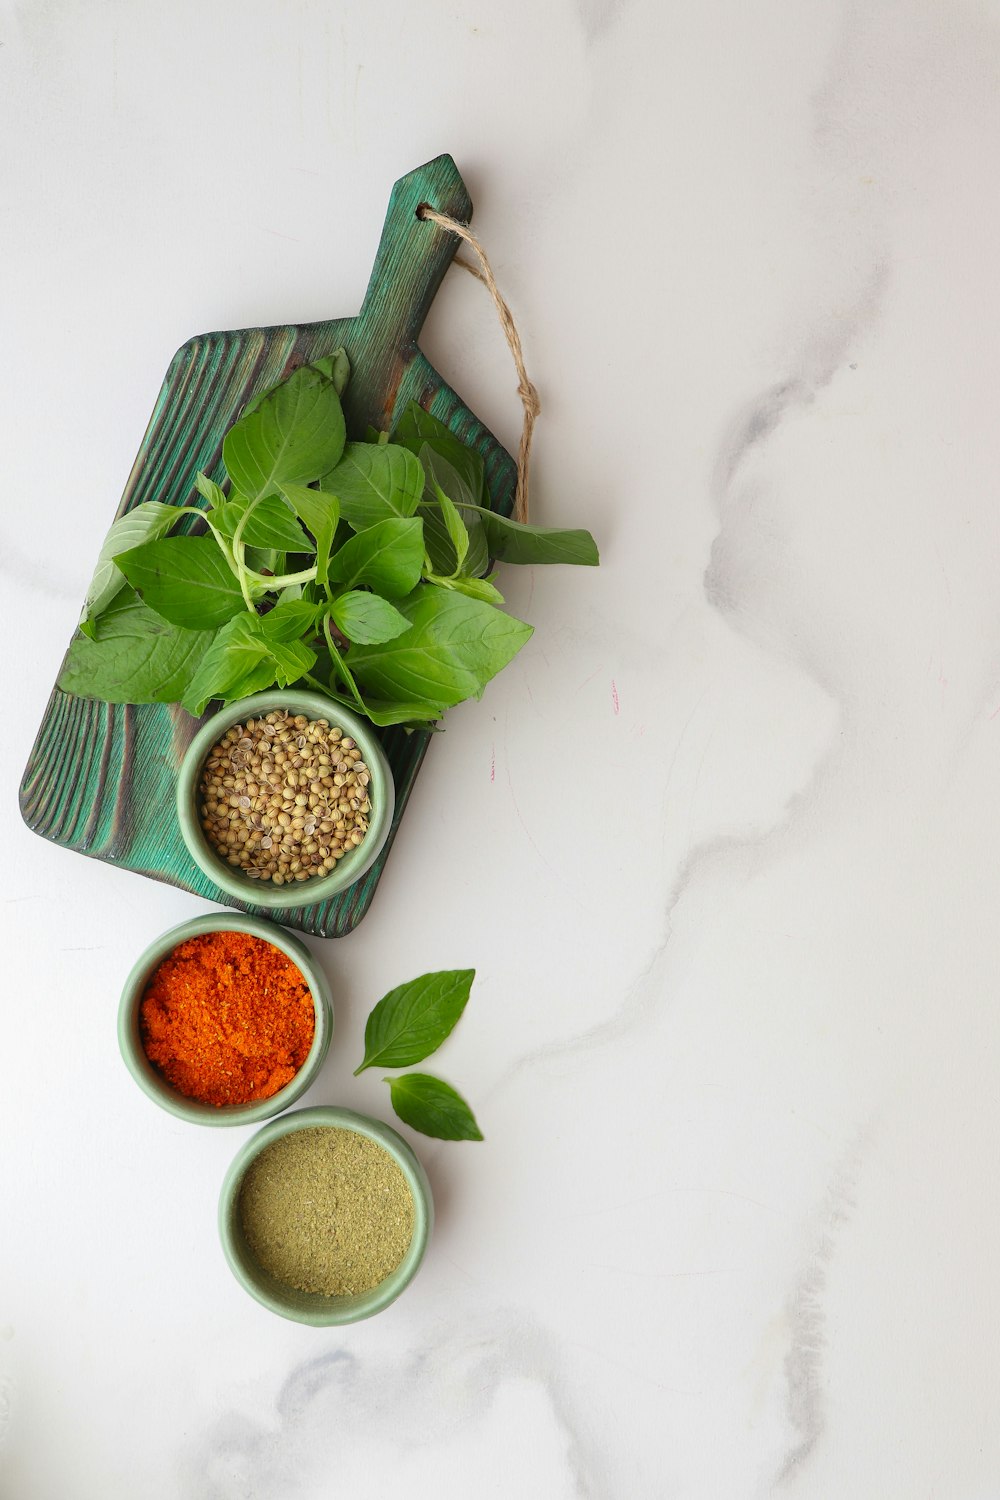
(722, 843)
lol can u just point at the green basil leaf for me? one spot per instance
(455, 646)
(417, 428)
(427, 1104)
(291, 659)
(209, 490)
(336, 367)
(185, 579)
(143, 524)
(367, 619)
(270, 524)
(320, 513)
(457, 533)
(415, 715)
(388, 557)
(289, 619)
(411, 1021)
(448, 499)
(241, 660)
(513, 542)
(475, 588)
(296, 434)
(374, 483)
(135, 657)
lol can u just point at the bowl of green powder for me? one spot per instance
(324, 1216)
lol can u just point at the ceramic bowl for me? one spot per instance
(348, 869)
(309, 1307)
(156, 1086)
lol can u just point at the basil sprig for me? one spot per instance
(383, 547)
(407, 1025)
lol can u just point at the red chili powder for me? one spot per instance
(227, 1019)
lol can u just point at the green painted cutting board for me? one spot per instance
(100, 778)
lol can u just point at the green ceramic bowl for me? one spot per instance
(320, 887)
(157, 1087)
(309, 1307)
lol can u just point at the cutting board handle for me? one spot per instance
(413, 253)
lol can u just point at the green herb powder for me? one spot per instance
(327, 1210)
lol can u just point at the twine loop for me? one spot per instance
(525, 389)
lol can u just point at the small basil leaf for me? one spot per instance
(414, 715)
(185, 579)
(143, 524)
(456, 528)
(475, 588)
(242, 660)
(269, 524)
(289, 619)
(320, 513)
(209, 490)
(451, 553)
(427, 1104)
(336, 367)
(411, 1021)
(455, 647)
(388, 557)
(295, 434)
(366, 619)
(136, 657)
(374, 483)
(513, 542)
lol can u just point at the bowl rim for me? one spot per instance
(156, 1087)
(349, 869)
(300, 1307)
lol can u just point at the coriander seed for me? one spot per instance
(267, 785)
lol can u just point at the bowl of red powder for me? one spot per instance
(225, 1020)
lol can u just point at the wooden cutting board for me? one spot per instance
(100, 778)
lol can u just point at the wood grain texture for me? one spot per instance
(100, 778)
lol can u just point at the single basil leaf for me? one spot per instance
(336, 367)
(427, 1104)
(296, 434)
(367, 619)
(415, 715)
(291, 659)
(374, 483)
(455, 646)
(444, 541)
(457, 533)
(417, 428)
(185, 579)
(320, 513)
(270, 524)
(209, 490)
(289, 619)
(513, 542)
(136, 657)
(243, 660)
(388, 557)
(411, 1021)
(475, 588)
(235, 656)
(143, 524)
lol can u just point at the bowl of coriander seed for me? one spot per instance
(284, 799)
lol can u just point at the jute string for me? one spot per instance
(525, 389)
